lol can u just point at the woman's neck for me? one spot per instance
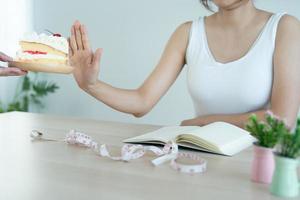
(237, 17)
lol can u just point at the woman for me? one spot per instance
(240, 60)
(9, 71)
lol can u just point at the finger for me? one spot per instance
(70, 48)
(11, 71)
(5, 58)
(97, 57)
(73, 43)
(84, 37)
(78, 35)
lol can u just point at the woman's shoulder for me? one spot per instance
(185, 27)
(288, 42)
(288, 28)
(286, 21)
(183, 30)
(289, 22)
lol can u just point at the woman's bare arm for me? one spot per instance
(138, 101)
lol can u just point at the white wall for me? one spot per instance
(15, 19)
(133, 34)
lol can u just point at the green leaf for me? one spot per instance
(26, 84)
(25, 103)
(15, 106)
(36, 100)
(29, 92)
(2, 109)
(43, 88)
(289, 145)
(267, 132)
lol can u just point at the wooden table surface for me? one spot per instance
(51, 170)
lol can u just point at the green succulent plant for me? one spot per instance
(289, 144)
(267, 132)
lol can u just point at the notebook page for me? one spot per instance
(220, 134)
(164, 134)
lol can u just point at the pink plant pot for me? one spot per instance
(263, 165)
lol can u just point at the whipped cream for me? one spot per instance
(27, 56)
(59, 43)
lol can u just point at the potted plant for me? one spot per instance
(30, 91)
(285, 180)
(267, 133)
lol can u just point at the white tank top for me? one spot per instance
(240, 86)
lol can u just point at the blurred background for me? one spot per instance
(133, 34)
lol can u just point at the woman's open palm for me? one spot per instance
(82, 58)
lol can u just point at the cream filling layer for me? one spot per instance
(59, 43)
(27, 56)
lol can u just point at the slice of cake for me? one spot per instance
(44, 49)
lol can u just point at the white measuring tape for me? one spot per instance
(131, 152)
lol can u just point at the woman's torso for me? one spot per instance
(239, 86)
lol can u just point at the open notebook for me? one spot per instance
(218, 137)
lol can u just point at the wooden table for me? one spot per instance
(51, 170)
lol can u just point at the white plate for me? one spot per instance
(48, 68)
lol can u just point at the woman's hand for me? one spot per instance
(185, 123)
(199, 121)
(82, 58)
(9, 71)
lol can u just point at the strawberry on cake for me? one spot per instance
(43, 49)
